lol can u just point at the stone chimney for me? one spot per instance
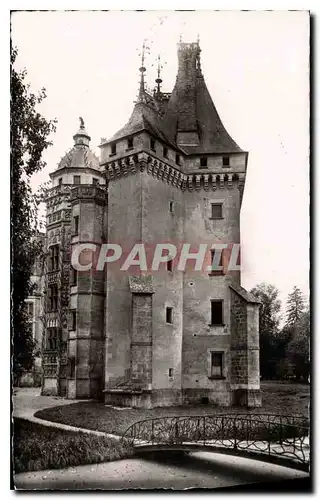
(187, 130)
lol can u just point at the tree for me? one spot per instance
(29, 138)
(268, 327)
(295, 306)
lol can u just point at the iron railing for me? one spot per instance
(281, 436)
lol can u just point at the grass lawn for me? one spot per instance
(277, 398)
(36, 447)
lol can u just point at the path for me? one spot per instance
(27, 401)
(193, 470)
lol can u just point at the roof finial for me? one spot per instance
(142, 70)
(159, 80)
(81, 122)
(198, 39)
(180, 39)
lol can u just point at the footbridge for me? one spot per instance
(279, 439)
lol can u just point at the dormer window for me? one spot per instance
(177, 159)
(203, 162)
(226, 161)
(165, 152)
(130, 143)
(152, 144)
(114, 148)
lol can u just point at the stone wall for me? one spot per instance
(245, 373)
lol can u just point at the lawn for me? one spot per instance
(36, 447)
(278, 398)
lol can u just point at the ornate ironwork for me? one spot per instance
(270, 436)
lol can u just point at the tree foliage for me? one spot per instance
(268, 326)
(295, 307)
(284, 352)
(29, 139)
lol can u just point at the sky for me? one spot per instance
(256, 66)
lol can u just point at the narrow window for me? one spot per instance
(72, 364)
(152, 144)
(130, 143)
(74, 277)
(53, 297)
(169, 265)
(73, 320)
(203, 162)
(60, 181)
(165, 152)
(216, 364)
(95, 181)
(30, 310)
(169, 315)
(170, 372)
(214, 270)
(54, 258)
(177, 159)
(114, 148)
(226, 161)
(216, 312)
(216, 210)
(76, 224)
(76, 179)
(171, 205)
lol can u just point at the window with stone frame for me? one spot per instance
(52, 339)
(152, 144)
(30, 310)
(73, 320)
(74, 277)
(113, 148)
(226, 161)
(76, 179)
(54, 258)
(95, 181)
(216, 364)
(169, 315)
(216, 312)
(214, 271)
(165, 152)
(203, 162)
(76, 224)
(169, 265)
(216, 211)
(53, 297)
(72, 367)
(130, 142)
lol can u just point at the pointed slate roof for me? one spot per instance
(144, 117)
(191, 121)
(191, 109)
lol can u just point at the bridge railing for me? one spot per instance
(280, 435)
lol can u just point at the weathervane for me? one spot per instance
(142, 69)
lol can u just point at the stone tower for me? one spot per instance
(74, 212)
(175, 175)
(183, 334)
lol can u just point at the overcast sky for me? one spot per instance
(256, 68)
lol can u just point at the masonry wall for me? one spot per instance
(159, 225)
(124, 228)
(245, 373)
(199, 337)
(87, 299)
